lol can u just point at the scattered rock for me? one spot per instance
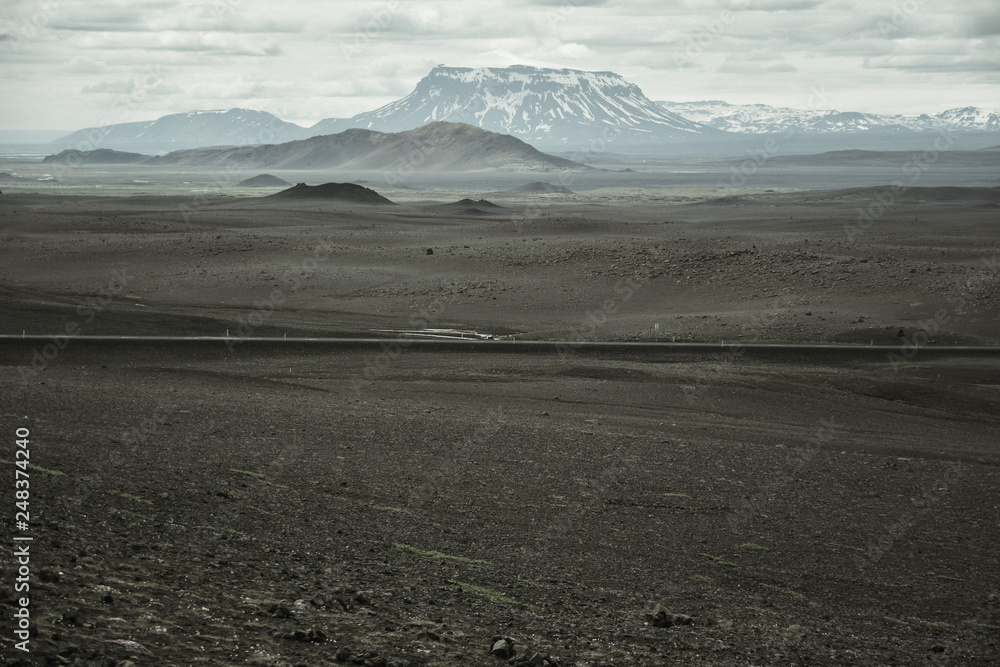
(661, 618)
(430, 251)
(503, 648)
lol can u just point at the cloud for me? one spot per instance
(213, 43)
(85, 65)
(131, 87)
(227, 53)
(574, 50)
(933, 63)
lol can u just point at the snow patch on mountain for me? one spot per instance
(765, 119)
(538, 105)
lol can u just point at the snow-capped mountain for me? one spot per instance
(764, 119)
(190, 130)
(972, 118)
(550, 107)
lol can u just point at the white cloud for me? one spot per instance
(59, 70)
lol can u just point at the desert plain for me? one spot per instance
(228, 501)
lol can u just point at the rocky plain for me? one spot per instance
(232, 502)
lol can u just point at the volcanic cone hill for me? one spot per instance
(346, 192)
(264, 181)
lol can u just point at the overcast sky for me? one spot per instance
(67, 64)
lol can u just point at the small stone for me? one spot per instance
(430, 251)
(795, 628)
(343, 654)
(938, 648)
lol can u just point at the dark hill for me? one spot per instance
(264, 181)
(99, 156)
(349, 192)
(469, 207)
(541, 187)
(437, 146)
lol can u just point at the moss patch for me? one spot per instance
(437, 555)
(491, 595)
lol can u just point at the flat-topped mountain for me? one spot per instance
(561, 107)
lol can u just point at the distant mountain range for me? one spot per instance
(556, 109)
(436, 146)
(764, 119)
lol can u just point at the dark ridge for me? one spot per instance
(11, 178)
(351, 192)
(542, 187)
(99, 156)
(473, 203)
(263, 181)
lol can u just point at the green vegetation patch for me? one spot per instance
(753, 547)
(718, 560)
(129, 496)
(941, 625)
(257, 476)
(676, 495)
(437, 555)
(491, 595)
(701, 577)
(37, 468)
(786, 591)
